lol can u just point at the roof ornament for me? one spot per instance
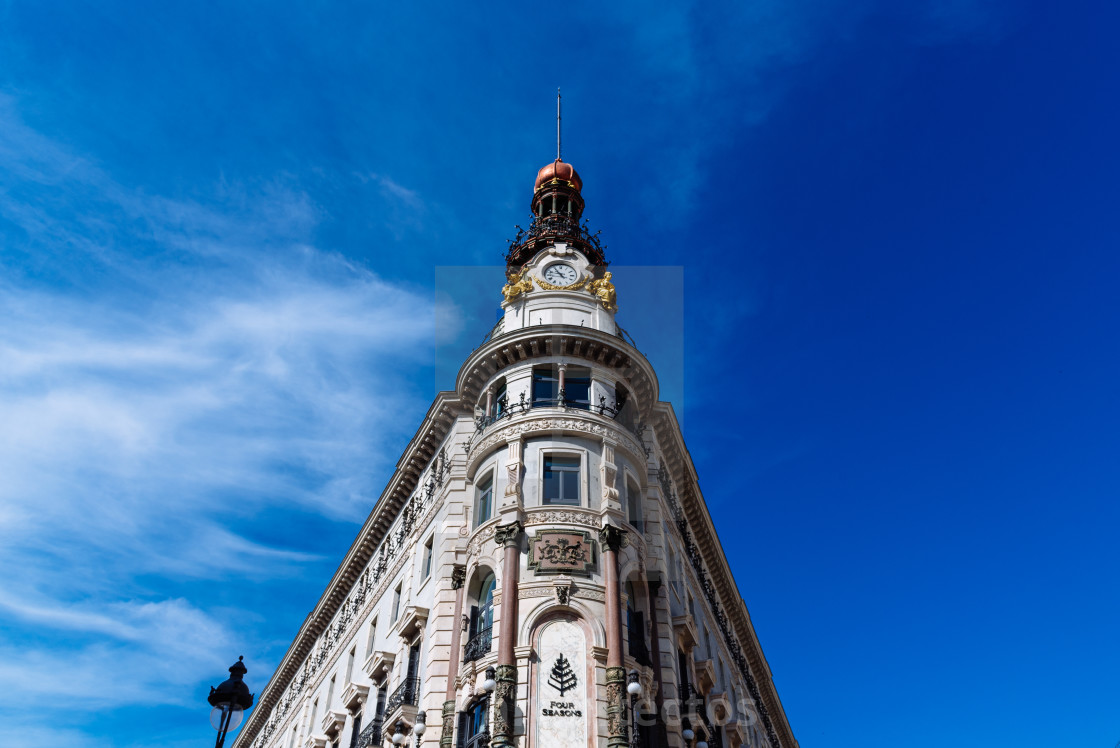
(557, 124)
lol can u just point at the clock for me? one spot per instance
(560, 274)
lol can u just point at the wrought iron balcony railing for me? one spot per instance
(478, 645)
(481, 740)
(371, 736)
(550, 228)
(506, 409)
(408, 692)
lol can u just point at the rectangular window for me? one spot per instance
(372, 638)
(314, 714)
(546, 386)
(330, 692)
(350, 665)
(634, 505)
(485, 500)
(577, 387)
(396, 603)
(561, 480)
(429, 551)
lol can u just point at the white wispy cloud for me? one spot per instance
(158, 357)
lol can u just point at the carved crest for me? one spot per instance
(561, 552)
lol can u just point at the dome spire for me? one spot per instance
(557, 123)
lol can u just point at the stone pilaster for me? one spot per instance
(509, 537)
(447, 735)
(613, 539)
(446, 738)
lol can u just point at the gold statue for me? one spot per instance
(519, 283)
(604, 290)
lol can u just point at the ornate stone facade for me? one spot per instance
(543, 538)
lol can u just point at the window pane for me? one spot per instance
(577, 388)
(561, 480)
(546, 384)
(485, 499)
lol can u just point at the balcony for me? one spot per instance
(407, 694)
(371, 736)
(478, 646)
(481, 740)
(550, 228)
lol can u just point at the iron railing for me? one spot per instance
(478, 645)
(552, 227)
(481, 740)
(506, 409)
(408, 692)
(371, 736)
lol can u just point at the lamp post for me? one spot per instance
(230, 700)
(398, 733)
(489, 683)
(687, 732)
(419, 728)
(634, 688)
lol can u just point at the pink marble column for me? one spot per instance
(446, 738)
(509, 537)
(612, 539)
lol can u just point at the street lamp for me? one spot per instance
(489, 684)
(687, 732)
(419, 728)
(230, 700)
(634, 688)
(398, 733)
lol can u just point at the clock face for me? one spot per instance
(560, 274)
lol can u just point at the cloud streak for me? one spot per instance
(172, 370)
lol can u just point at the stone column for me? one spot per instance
(446, 738)
(509, 537)
(612, 539)
(563, 368)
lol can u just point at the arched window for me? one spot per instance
(474, 727)
(480, 630)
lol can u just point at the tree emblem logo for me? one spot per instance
(562, 678)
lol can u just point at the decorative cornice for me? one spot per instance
(705, 553)
(534, 422)
(422, 455)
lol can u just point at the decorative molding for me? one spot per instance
(458, 576)
(484, 533)
(561, 517)
(584, 424)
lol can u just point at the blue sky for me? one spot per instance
(894, 224)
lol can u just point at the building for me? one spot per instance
(541, 553)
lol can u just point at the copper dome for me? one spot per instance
(558, 170)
